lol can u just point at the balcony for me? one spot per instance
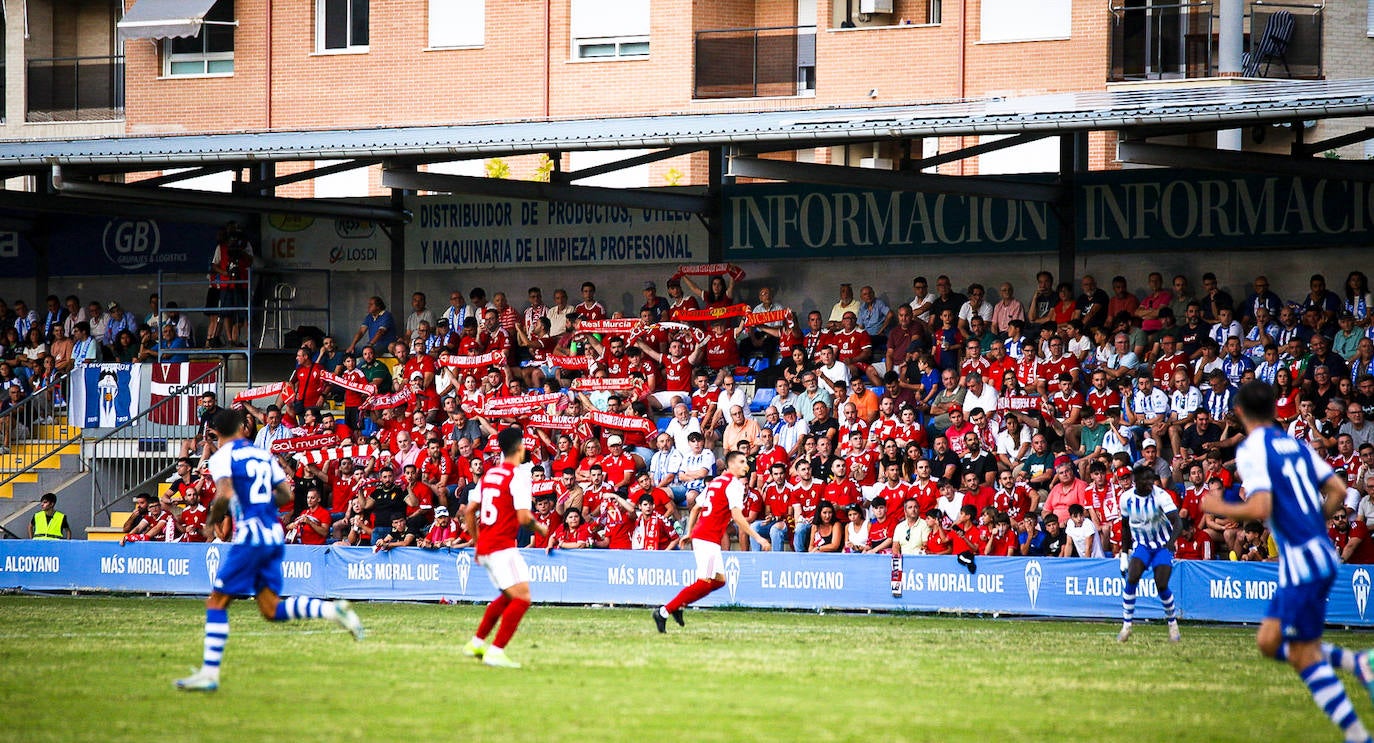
(755, 62)
(75, 89)
(1180, 41)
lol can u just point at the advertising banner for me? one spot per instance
(334, 244)
(102, 246)
(452, 231)
(107, 395)
(1054, 587)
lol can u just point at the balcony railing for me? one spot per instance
(75, 88)
(754, 62)
(1181, 40)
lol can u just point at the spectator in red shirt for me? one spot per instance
(1002, 541)
(312, 525)
(1193, 544)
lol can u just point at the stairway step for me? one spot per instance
(10, 463)
(103, 534)
(57, 431)
(117, 518)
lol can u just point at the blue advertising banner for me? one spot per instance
(16, 255)
(1144, 209)
(1053, 587)
(100, 246)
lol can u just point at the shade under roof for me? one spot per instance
(164, 19)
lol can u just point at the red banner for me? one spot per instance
(575, 363)
(304, 443)
(621, 422)
(605, 384)
(715, 313)
(490, 358)
(542, 488)
(348, 384)
(173, 381)
(552, 422)
(393, 400)
(1018, 403)
(710, 269)
(320, 456)
(267, 390)
(763, 318)
(617, 325)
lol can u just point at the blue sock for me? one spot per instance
(1128, 602)
(1339, 657)
(1281, 655)
(1166, 597)
(216, 634)
(1329, 694)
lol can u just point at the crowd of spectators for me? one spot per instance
(953, 423)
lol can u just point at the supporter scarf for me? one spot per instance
(552, 422)
(689, 334)
(618, 325)
(762, 318)
(1018, 402)
(710, 269)
(490, 358)
(621, 422)
(575, 363)
(348, 384)
(304, 443)
(320, 456)
(608, 384)
(268, 390)
(393, 400)
(715, 313)
(506, 407)
(1357, 308)
(542, 488)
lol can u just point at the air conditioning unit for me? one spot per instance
(876, 163)
(875, 6)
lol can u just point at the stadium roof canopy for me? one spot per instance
(735, 139)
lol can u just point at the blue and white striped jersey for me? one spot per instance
(1148, 516)
(255, 475)
(1271, 460)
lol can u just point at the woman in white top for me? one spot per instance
(856, 531)
(1013, 442)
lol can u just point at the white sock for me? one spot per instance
(478, 641)
(328, 610)
(663, 612)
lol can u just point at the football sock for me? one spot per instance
(216, 634)
(510, 621)
(1166, 597)
(491, 616)
(1339, 657)
(1329, 694)
(693, 593)
(1128, 602)
(1281, 655)
(303, 607)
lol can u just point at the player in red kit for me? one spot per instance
(503, 497)
(722, 503)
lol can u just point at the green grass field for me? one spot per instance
(100, 669)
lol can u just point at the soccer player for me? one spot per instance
(503, 496)
(1296, 491)
(1150, 522)
(723, 502)
(246, 480)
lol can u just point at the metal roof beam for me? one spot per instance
(891, 180)
(184, 175)
(537, 191)
(1312, 148)
(978, 149)
(629, 162)
(1172, 156)
(225, 202)
(313, 173)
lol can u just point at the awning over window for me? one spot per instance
(164, 19)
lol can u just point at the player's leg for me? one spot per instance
(710, 576)
(274, 608)
(216, 635)
(1166, 596)
(517, 603)
(801, 537)
(1134, 570)
(510, 574)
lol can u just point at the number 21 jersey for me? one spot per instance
(255, 474)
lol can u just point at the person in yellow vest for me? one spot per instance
(49, 523)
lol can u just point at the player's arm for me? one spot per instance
(1334, 490)
(281, 494)
(1175, 525)
(1255, 508)
(737, 515)
(692, 517)
(219, 507)
(527, 519)
(470, 516)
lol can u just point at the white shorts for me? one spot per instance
(506, 568)
(666, 398)
(710, 562)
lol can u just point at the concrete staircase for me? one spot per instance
(19, 490)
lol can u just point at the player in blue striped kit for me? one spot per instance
(246, 480)
(1291, 487)
(1149, 524)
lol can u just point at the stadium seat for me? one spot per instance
(758, 363)
(662, 423)
(762, 397)
(880, 390)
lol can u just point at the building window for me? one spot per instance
(457, 23)
(610, 29)
(341, 25)
(210, 52)
(1018, 20)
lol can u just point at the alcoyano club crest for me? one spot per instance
(464, 565)
(1033, 575)
(732, 576)
(1360, 583)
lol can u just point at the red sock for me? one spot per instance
(510, 621)
(490, 616)
(693, 593)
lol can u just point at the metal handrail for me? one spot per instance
(142, 448)
(249, 309)
(113, 95)
(47, 403)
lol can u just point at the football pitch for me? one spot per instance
(100, 669)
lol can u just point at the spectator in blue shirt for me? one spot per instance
(378, 328)
(119, 320)
(875, 316)
(169, 341)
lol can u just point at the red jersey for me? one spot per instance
(1164, 369)
(862, 467)
(1005, 545)
(193, 523)
(590, 311)
(435, 470)
(686, 304)
(422, 364)
(722, 494)
(765, 461)
(893, 495)
(320, 516)
(976, 364)
(616, 468)
(998, 369)
(616, 366)
(881, 531)
(925, 494)
(1197, 548)
(778, 500)
(1065, 404)
(883, 429)
(306, 382)
(504, 490)
(980, 498)
(842, 494)
(677, 374)
(1050, 369)
(722, 352)
(354, 399)
(813, 342)
(1099, 401)
(1015, 503)
(1192, 501)
(849, 344)
(619, 526)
